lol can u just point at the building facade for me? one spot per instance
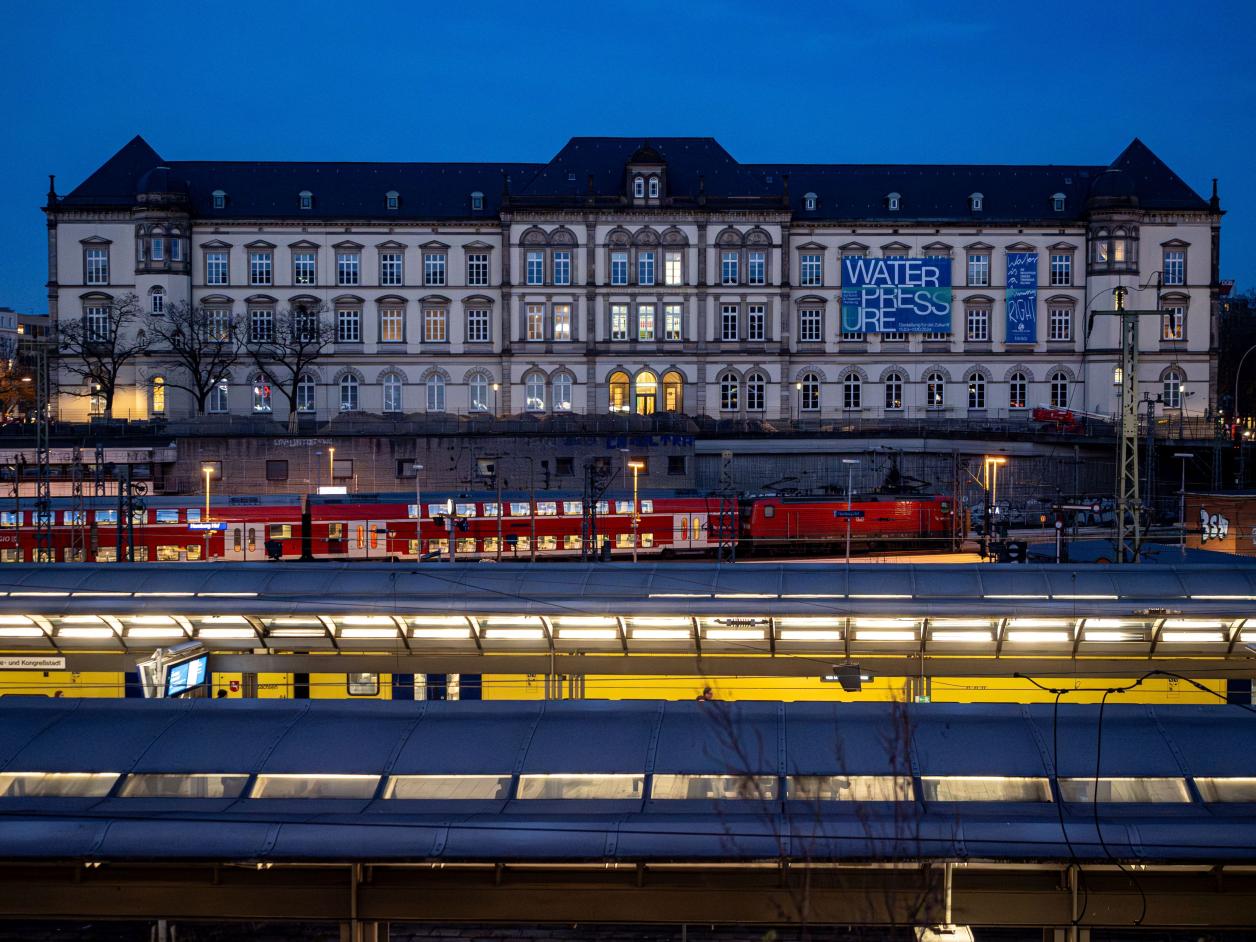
(628, 276)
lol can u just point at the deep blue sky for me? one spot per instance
(859, 81)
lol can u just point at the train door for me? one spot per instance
(235, 541)
(699, 533)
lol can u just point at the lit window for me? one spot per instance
(672, 269)
(478, 391)
(1018, 393)
(435, 325)
(315, 786)
(261, 394)
(183, 785)
(577, 786)
(976, 391)
(391, 325)
(448, 787)
(713, 787)
(619, 322)
(561, 321)
(673, 322)
(1173, 386)
(534, 393)
(935, 390)
(56, 784)
(1139, 790)
(535, 321)
(1172, 323)
(894, 391)
(159, 394)
(1059, 389)
(645, 321)
(562, 392)
(729, 388)
(849, 788)
(985, 788)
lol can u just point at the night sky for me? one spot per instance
(866, 81)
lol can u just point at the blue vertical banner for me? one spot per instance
(1022, 297)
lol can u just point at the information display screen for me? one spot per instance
(187, 675)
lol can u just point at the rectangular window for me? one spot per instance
(277, 469)
(935, 335)
(619, 268)
(278, 531)
(562, 268)
(391, 271)
(667, 787)
(1061, 269)
(215, 268)
(1143, 791)
(893, 336)
(304, 268)
(619, 322)
(477, 325)
(673, 273)
(348, 268)
(435, 325)
(158, 249)
(758, 268)
(434, 268)
(261, 325)
(1173, 324)
(535, 314)
(756, 322)
(728, 268)
(562, 321)
(176, 250)
(314, 786)
(1060, 323)
(391, 325)
(260, 268)
(97, 322)
(169, 554)
(96, 265)
(645, 268)
(477, 270)
(676, 464)
(184, 784)
(810, 325)
(1174, 267)
(348, 325)
(979, 324)
(728, 321)
(849, 788)
(978, 271)
(645, 321)
(985, 788)
(536, 268)
(581, 786)
(849, 336)
(811, 270)
(673, 322)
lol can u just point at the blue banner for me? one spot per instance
(896, 294)
(1022, 297)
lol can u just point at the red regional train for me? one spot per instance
(469, 526)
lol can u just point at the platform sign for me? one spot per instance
(1022, 297)
(851, 514)
(896, 294)
(210, 525)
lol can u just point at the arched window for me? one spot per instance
(479, 391)
(647, 391)
(305, 393)
(1017, 390)
(562, 392)
(976, 391)
(159, 395)
(654, 187)
(894, 391)
(349, 393)
(809, 392)
(157, 300)
(638, 187)
(673, 392)
(534, 392)
(756, 392)
(809, 201)
(306, 199)
(852, 392)
(975, 201)
(261, 394)
(392, 392)
(618, 385)
(1173, 385)
(935, 390)
(95, 399)
(218, 397)
(728, 392)
(1059, 389)
(436, 393)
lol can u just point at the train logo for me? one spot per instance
(1212, 526)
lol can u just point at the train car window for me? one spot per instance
(440, 545)
(315, 786)
(106, 516)
(1227, 789)
(849, 788)
(437, 510)
(168, 516)
(361, 536)
(42, 517)
(524, 544)
(10, 555)
(546, 508)
(374, 538)
(1140, 790)
(74, 518)
(139, 517)
(623, 541)
(412, 510)
(571, 541)
(139, 554)
(168, 554)
(335, 531)
(413, 547)
(252, 539)
(44, 556)
(647, 539)
(581, 786)
(194, 514)
(684, 527)
(107, 554)
(520, 508)
(189, 785)
(769, 511)
(464, 510)
(623, 506)
(719, 787)
(985, 788)
(193, 551)
(449, 787)
(76, 555)
(10, 518)
(362, 685)
(279, 531)
(647, 506)
(466, 544)
(56, 784)
(236, 539)
(547, 542)
(490, 544)
(490, 509)
(573, 508)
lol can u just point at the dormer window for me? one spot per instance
(220, 199)
(477, 200)
(638, 187)
(1057, 202)
(392, 199)
(974, 202)
(654, 188)
(306, 199)
(893, 201)
(809, 201)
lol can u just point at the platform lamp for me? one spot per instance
(208, 471)
(850, 480)
(1183, 456)
(637, 466)
(991, 463)
(418, 511)
(331, 466)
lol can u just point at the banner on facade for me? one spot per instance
(1022, 297)
(896, 294)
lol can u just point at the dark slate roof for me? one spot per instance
(694, 166)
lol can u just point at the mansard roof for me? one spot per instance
(699, 170)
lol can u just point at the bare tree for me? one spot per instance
(298, 339)
(202, 345)
(94, 350)
(17, 379)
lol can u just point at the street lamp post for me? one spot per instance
(850, 481)
(209, 473)
(331, 467)
(418, 512)
(636, 466)
(1183, 455)
(991, 464)
(1238, 373)
(450, 529)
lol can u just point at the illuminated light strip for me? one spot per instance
(1018, 596)
(1187, 637)
(661, 634)
(809, 595)
(112, 595)
(734, 634)
(1088, 598)
(1090, 635)
(40, 594)
(1040, 637)
(226, 634)
(15, 620)
(884, 635)
(1224, 598)
(680, 595)
(296, 633)
(746, 595)
(791, 634)
(365, 633)
(588, 634)
(226, 595)
(164, 595)
(25, 631)
(970, 637)
(85, 633)
(171, 631)
(514, 634)
(879, 596)
(438, 634)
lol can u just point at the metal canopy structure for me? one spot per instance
(774, 619)
(646, 811)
